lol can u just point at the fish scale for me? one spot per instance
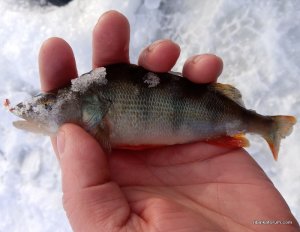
(172, 114)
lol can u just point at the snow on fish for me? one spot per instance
(126, 106)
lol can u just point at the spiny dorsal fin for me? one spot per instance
(230, 92)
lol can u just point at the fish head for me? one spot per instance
(36, 108)
(46, 112)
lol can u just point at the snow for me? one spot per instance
(259, 42)
(152, 4)
(151, 79)
(96, 76)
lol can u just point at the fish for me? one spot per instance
(125, 106)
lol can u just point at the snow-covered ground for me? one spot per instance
(258, 40)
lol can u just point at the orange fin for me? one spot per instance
(138, 147)
(238, 140)
(282, 127)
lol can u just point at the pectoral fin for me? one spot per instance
(101, 133)
(94, 109)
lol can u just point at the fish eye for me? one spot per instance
(48, 107)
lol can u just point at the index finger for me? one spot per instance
(57, 67)
(56, 64)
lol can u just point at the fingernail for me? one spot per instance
(154, 45)
(60, 142)
(197, 58)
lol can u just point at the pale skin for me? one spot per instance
(192, 187)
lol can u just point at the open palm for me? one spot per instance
(197, 187)
(192, 187)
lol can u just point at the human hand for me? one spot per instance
(192, 187)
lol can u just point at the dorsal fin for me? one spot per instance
(230, 92)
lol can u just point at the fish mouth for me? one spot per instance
(21, 110)
(6, 105)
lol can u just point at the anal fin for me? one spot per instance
(238, 140)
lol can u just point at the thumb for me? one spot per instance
(92, 201)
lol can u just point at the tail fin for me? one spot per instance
(282, 127)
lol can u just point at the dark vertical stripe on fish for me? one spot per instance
(211, 102)
(145, 106)
(177, 114)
